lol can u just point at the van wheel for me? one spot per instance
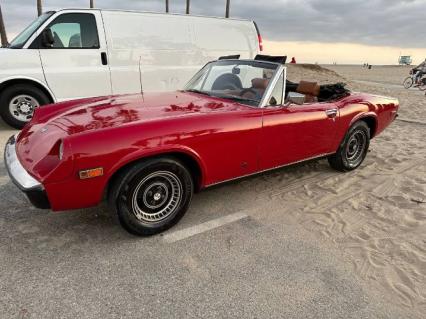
(18, 102)
(151, 196)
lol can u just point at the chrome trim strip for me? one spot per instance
(16, 171)
(284, 85)
(331, 111)
(269, 169)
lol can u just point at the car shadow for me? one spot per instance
(24, 225)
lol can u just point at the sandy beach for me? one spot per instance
(315, 243)
(376, 216)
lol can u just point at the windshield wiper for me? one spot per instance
(237, 98)
(197, 91)
(224, 96)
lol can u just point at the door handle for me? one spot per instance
(331, 113)
(104, 58)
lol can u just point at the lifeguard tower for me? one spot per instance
(405, 60)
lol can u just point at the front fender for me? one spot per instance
(27, 79)
(162, 150)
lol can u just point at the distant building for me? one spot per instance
(405, 60)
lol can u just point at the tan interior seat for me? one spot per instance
(310, 89)
(259, 83)
(258, 87)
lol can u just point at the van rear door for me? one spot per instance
(76, 65)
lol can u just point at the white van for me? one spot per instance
(71, 54)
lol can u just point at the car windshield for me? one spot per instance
(238, 80)
(23, 37)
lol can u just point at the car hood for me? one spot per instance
(4, 51)
(105, 112)
(7, 57)
(55, 122)
(11, 58)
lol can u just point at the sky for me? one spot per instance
(314, 31)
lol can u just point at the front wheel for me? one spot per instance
(152, 195)
(353, 149)
(18, 102)
(422, 85)
(408, 82)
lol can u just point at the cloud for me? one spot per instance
(399, 23)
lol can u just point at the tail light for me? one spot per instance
(260, 42)
(259, 37)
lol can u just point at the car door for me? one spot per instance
(292, 132)
(76, 64)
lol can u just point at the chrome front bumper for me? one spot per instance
(16, 171)
(20, 177)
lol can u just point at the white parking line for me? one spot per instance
(201, 228)
(410, 120)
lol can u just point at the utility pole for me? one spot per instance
(92, 4)
(39, 8)
(187, 6)
(2, 31)
(167, 6)
(227, 8)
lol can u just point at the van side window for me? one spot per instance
(75, 30)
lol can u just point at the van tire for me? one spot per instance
(32, 95)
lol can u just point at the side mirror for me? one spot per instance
(273, 101)
(296, 98)
(47, 38)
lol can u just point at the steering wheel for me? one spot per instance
(248, 90)
(230, 86)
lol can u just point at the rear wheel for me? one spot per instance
(408, 82)
(151, 196)
(18, 102)
(353, 148)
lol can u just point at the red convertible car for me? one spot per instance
(147, 154)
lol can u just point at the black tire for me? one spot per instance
(353, 149)
(408, 82)
(422, 85)
(151, 196)
(10, 93)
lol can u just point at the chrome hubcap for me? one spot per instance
(356, 147)
(156, 197)
(22, 107)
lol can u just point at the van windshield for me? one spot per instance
(23, 37)
(244, 81)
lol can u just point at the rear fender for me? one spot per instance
(365, 115)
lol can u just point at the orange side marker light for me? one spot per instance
(91, 173)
